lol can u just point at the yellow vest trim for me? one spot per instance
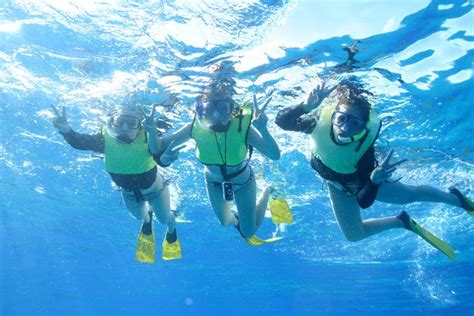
(341, 158)
(131, 158)
(227, 148)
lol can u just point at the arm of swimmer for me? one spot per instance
(293, 119)
(367, 195)
(85, 142)
(171, 145)
(179, 137)
(155, 144)
(264, 143)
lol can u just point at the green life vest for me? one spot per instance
(227, 148)
(341, 158)
(131, 158)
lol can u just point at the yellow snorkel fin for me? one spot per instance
(256, 241)
(171, 246)
(280, 210)
(434, 241)
(146, 243)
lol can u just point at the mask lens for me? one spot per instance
(339, 119)
(354, 124)
(351, 122)
(214, 113)
(217, 108)
(132, 122)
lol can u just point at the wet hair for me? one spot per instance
(222, 80)
(353, 94)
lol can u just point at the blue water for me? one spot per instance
(66, 242)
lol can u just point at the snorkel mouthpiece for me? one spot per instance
(218, 127)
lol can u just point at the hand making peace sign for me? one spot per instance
(385, 169)
(316, 96)
(170, 154)
(261, 119)
(60, 120)
(149, 123)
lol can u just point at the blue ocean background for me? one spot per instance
(67, 243)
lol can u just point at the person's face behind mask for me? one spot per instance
(124, 127)
(215, 112)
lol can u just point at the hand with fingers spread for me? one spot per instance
(149, 123)
(315, 97)
(385, 169)
(60, 120)
(261, 119)
(170, 154)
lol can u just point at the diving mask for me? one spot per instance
(347, 121)
(215, 114)
(124, 125)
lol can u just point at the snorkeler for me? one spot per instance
(225, 135)
(342, 147)
(129, 143)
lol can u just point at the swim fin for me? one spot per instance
(466, 203)
(281, 213)
(442, 246)
(146, 243)
(171, 246)
(255, 241)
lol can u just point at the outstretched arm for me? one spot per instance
(149, 125)
(294, 118)
(76, 140)
(85, 142)
(171, 144)
(259, 136)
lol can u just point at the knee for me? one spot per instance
(223, 222)
(225, 219)
(353, 236)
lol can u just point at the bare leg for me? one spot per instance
(161, 207)
(347, 213)
(399, 193)
(262, 204)
(246, 200)
(219, 205)
(137, 209)
(250, 216)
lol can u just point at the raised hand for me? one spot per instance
(261, 119)
(385, 169)
(60, 120)
(149, 123)
(170, 154)
(315, 97)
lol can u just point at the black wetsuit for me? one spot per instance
(296, 119)
(96, 143)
